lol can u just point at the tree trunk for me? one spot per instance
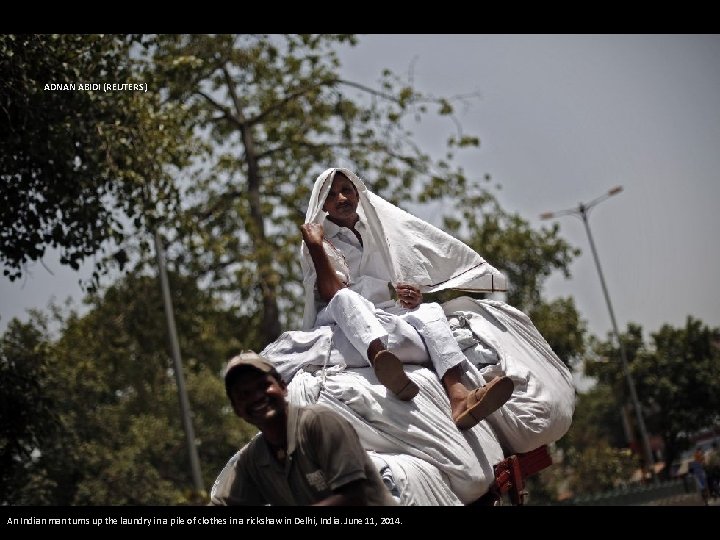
(268, 277)
(670, 451)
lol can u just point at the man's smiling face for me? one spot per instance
(257, 397)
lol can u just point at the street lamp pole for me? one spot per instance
(178, 369)
(582, 210)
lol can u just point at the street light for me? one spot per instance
(582, 211)
(178, 369)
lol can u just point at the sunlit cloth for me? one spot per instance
(432, 462)
(414, 251)
(541, 406)
(447, 464)
(418, 439)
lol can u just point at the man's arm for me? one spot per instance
(327, 281)
(350, 494)
(341, 457)
(235, 486)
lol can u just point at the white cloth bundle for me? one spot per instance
(416, 438)
(542, 404)
(431, 460)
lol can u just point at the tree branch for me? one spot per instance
(307, 144)
(369, 90)
(235, 99)
(284, 101)
(204, 216)
(227, 113)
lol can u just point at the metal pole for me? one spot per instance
(177, 367)
(623, 357)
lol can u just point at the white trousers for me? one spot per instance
(414, 336)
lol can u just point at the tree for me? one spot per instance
(676, 377)
(600, 468)
(597, 420)
(101, 423)
(28, 417)
(276, 114)
(273, 113)
(80, 168)
(527, 257)
(559, 322)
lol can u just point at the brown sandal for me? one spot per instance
(484, 401)
(390, 373)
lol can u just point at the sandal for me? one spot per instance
(390, 373)
(484, 401)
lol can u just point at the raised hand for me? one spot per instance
(313, 234)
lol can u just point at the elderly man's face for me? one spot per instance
(342, 201)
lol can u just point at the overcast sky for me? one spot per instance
(562, 119)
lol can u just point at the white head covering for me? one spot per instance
(414, 251)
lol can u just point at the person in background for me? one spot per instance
(697, 467)
(712, 468)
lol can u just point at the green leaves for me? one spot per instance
(93, 417)
(676, 376)
(560, 324)
(601, 468)
(221, 154)
(77, 162)
(276, 113)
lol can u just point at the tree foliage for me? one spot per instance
(80, 169)
(600, 468)
(28, 417)
(96, 411)
(676, 377)
(273, 113)
(598, 417)
(559, 322)
(527, 257)
(277, 113)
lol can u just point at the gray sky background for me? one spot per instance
(562, 119)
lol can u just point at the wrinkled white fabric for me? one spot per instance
(417, 482)
(360, 323)
(431, 460)
(541, 406)
(414, 336)
(412, 250)
(421, 429)
(436, 464)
